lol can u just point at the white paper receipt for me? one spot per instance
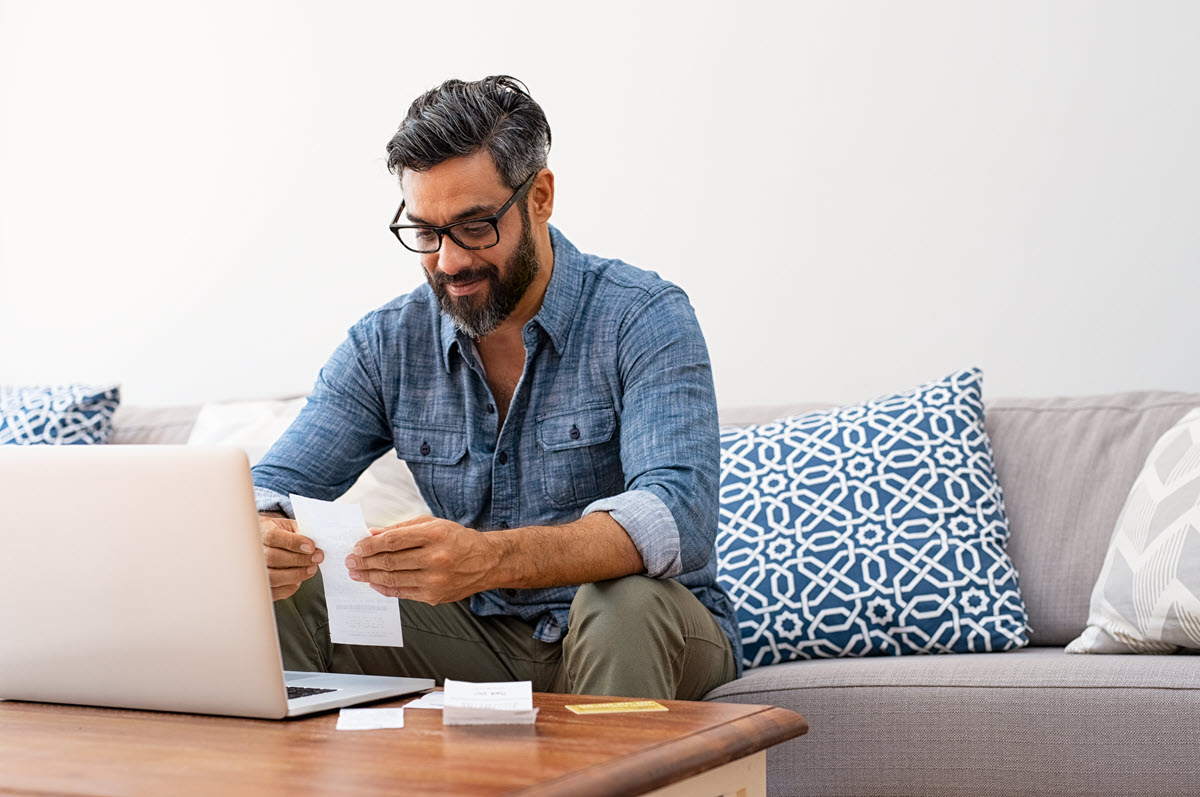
(358, 615)
(430, 700)
(369, 719)
(503, 703)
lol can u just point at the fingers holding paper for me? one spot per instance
(291, 557)
(426, 559)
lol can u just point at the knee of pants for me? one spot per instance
(624, 607)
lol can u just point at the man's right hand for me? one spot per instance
(291, 557)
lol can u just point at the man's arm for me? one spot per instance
(670, 442)
(439, 561)
(341, 430)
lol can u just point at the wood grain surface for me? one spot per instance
(76, 750)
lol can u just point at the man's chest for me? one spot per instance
(511, 443)
(503, 375)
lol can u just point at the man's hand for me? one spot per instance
(425, 559)
(291, 557)
(438, 561)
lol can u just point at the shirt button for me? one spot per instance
(574, 432)
(490, 409)
(425, 449)
(503, 457)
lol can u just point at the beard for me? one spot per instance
(478, 315)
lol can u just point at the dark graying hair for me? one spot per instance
(459, 118)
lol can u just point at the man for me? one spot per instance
(557, 412)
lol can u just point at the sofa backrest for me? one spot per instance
(1066, 466)
(133, 425)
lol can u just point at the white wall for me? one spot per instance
(857, 196)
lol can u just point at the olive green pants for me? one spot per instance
(634, 637)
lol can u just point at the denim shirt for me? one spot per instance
(614, 412)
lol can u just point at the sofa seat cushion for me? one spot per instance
(1028, 668)
(1032, 721)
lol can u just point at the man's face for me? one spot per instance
(477, 288)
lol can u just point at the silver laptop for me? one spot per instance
(133, 576)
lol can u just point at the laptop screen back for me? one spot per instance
(133, 576)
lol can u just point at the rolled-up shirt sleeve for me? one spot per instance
(650, 525)
(670, 449)
(342, 429)
(271, 501)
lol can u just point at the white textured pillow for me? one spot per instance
(386, 490)
(1147, 599)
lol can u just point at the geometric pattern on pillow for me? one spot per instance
(872, 529)
(57, 414)
(1147, 598)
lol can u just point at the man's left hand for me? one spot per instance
(426, 559)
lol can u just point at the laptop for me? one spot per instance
(132, 576)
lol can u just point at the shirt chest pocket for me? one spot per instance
(581, 456)
(434, 455)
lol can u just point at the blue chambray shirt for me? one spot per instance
(615, 412)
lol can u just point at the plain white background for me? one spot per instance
(858, 197)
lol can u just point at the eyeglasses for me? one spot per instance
(482, 233)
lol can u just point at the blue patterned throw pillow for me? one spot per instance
(58, 414)
(874, 529)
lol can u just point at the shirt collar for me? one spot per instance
(561, 302)
(450, 334)
(558, 305)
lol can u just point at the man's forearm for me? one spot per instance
(593, 548)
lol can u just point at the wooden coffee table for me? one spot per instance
(693, 748)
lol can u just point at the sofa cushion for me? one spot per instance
(872, 529)
(71, 414)
(1032, 721)
(1147, 599)
(1028, 667)
(1067, 465)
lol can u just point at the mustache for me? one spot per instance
(465, 275)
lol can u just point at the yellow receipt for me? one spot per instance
(618, 708)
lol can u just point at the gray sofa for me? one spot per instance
(1031, 721)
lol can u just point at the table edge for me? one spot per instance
(666, 763)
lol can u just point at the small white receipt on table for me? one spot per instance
(358, 615)
(503, 703)
(369, 719)
(431, 700)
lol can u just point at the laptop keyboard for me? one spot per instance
(305, 691)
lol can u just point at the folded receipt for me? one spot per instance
(498, 703)
(358, 615)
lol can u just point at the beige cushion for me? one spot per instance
(386, 490)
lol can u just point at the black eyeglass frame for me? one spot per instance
(447, 229)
